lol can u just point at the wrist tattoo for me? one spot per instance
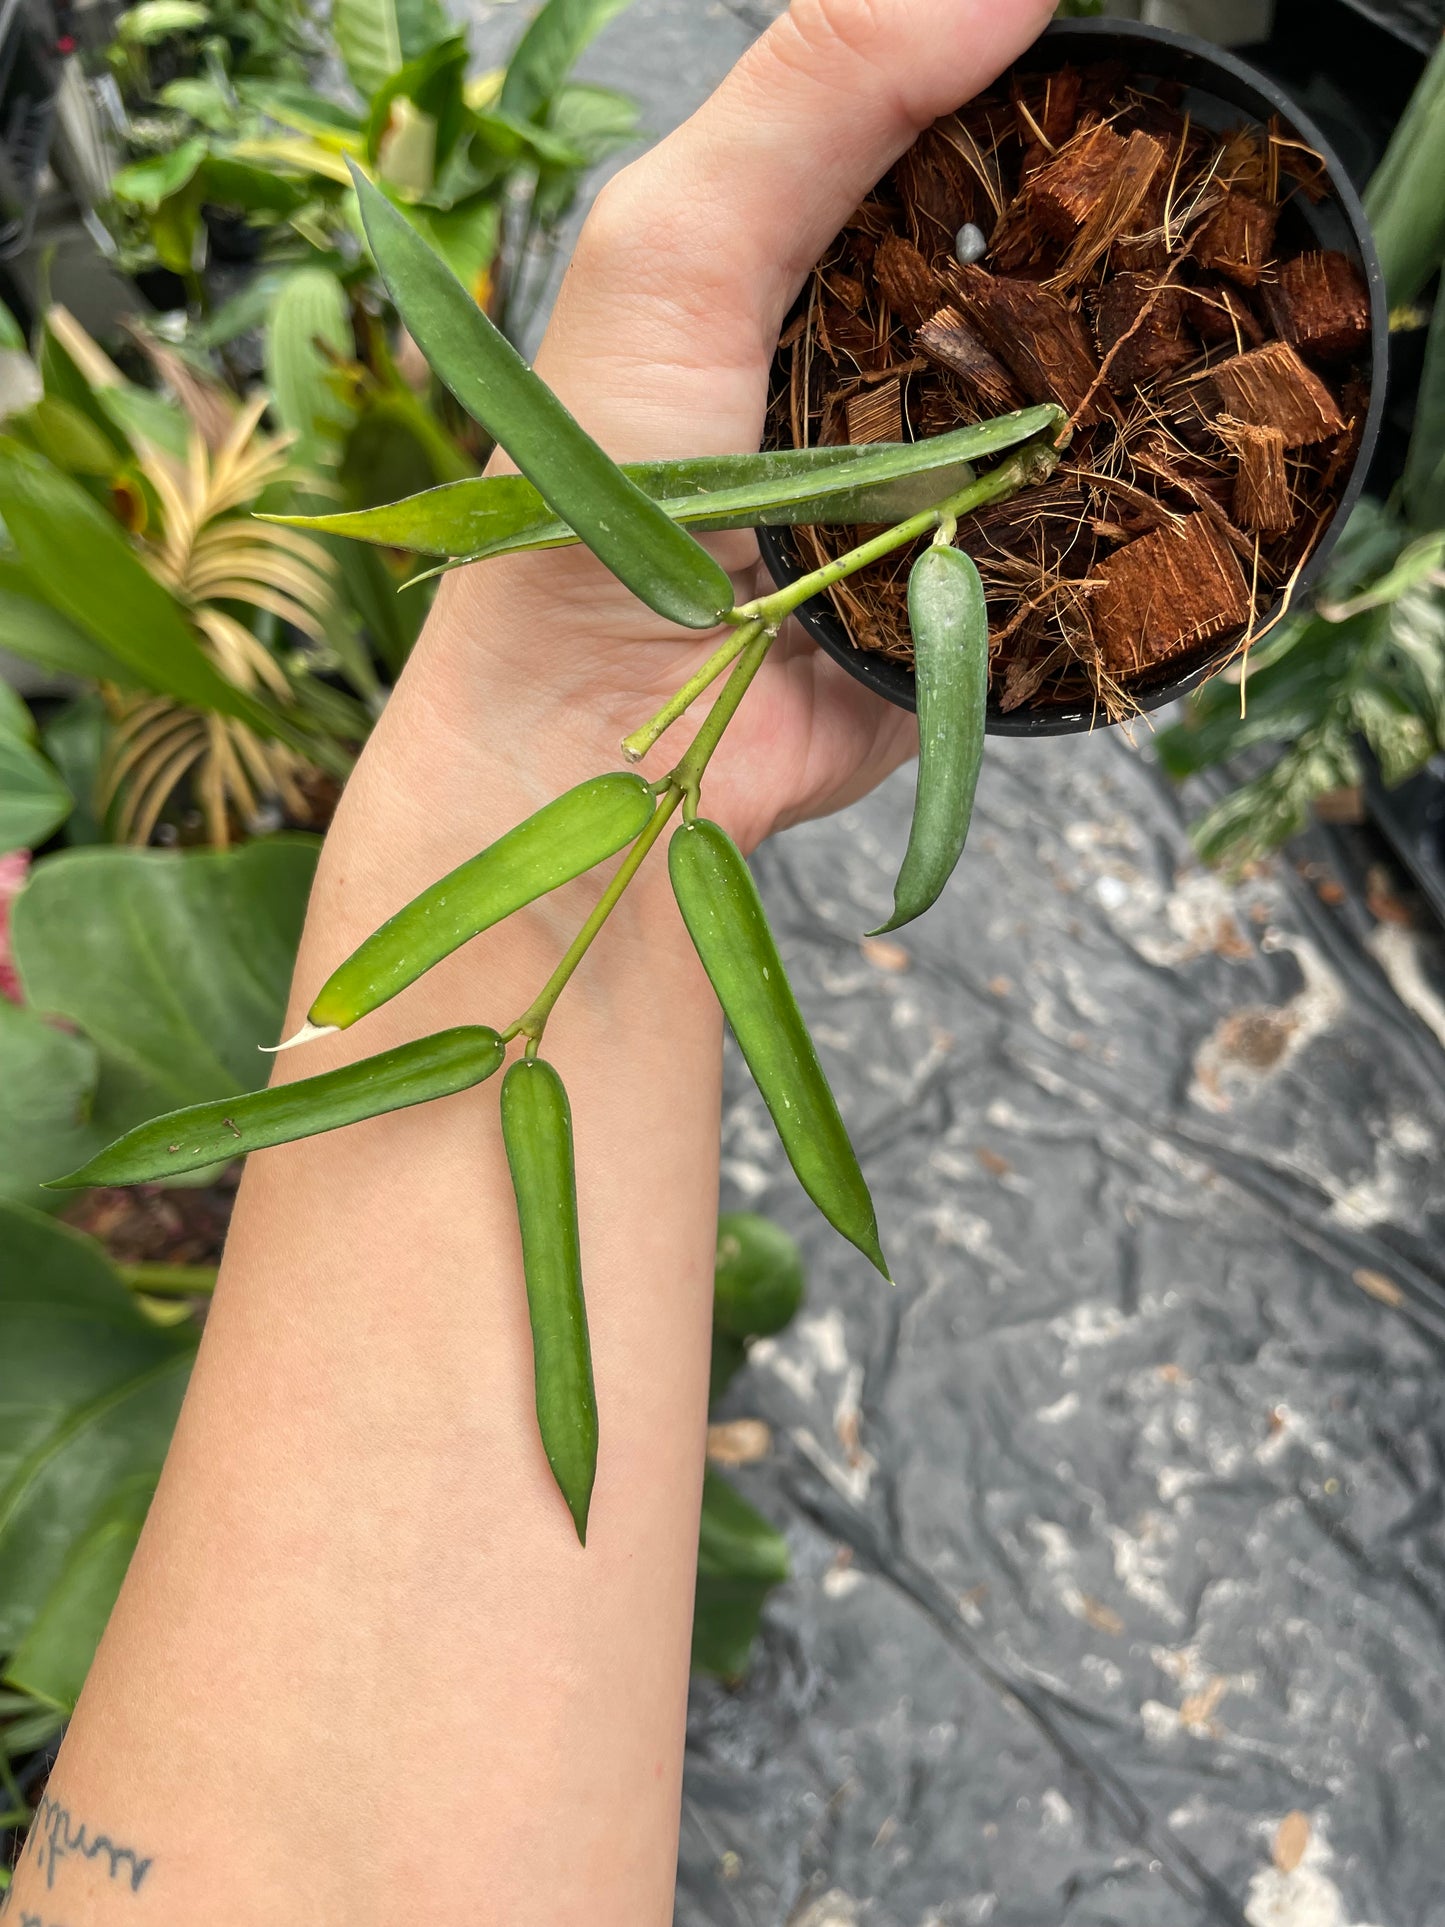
(56, 1835)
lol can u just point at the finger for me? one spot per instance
(667, 319)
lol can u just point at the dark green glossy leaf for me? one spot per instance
(757, 1289)
(643, 548)
(33, 800)
(757, 1278)
(433, 83)
(560, 841)
(948, 620)
(724, 916)
(32, 628)
(47, 1081)
(174, 966)
(740, 1558)
(115, 599)
(64, 381)
(92, 1392)
(230, 1127)
(537, 1130)
(547, 52)
(310, 317)
(503, 514)
(54, 1657)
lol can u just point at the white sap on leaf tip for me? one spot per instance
(307, 1034)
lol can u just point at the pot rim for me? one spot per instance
(1250, 92)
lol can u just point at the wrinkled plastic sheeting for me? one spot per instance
(1117, 1524)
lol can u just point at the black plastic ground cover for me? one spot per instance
(1118, 1522)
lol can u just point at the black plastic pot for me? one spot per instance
(1221, 88)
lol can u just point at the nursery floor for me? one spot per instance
(1119, 1526)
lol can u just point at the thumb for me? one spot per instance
(667, 319)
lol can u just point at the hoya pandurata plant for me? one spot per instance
(637, 520)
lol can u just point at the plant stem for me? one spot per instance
(636, 746)
(171, 1281)
(533, 1020)
(1034, 462)
(688, 774)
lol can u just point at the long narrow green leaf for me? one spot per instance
(1404, 200)
(578, 830)
(948, 618)
(504, 514)
(658, 561)
(91, 574)
(549, 49)
(1424, 480)
(537, 1131)
(725, 919)
(189, 1140)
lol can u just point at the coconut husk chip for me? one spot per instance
(1215, 374)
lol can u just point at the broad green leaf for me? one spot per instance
(175, 966)
(74, 738)
(757, 1289)
(149, 182)
(654, 558)
(203, 100)
(1404, 201)
(47, 1080)
(66, 438)
(740, 1558)
(375, 37)
(311, 316)
(65, 381)
(54, 1657)
(295, 151)
(547, 52)
(1424, 481)
(228, 180)
(595, 120)
(466, 237)
(504, 514)
(89, 1392)
(114, 598)
(155, 20)
(304, 111)
(141, 415)
(757, 1276)
(12, 335)
(433, 84)
(33, 800)
(33, 629)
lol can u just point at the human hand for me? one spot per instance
(661, 343)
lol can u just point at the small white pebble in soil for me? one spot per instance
(970, 244)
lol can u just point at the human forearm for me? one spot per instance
(358, 1501)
